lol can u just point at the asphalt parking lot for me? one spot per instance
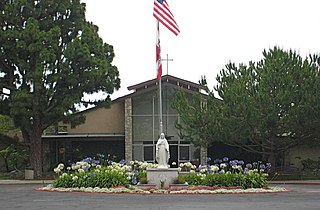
(23, 196)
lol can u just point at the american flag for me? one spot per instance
(163, 14)
(158, 56)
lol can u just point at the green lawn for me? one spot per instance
(4, 177)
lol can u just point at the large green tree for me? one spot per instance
(267, 106)
(197, 116)
(12, 152)
(6, 124)
(50, 56)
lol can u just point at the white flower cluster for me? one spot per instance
(202, 175)
(162, 191)
(74, 178)
(117, 167)
(142, 165)
(187, 166)
(80, 166)
(225, 166)
(59, 168)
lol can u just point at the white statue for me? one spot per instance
(162, 152)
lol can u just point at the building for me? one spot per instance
(128, 130)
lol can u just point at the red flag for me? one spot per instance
(158, 55)
(162, 13)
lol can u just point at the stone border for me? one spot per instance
(136, 190)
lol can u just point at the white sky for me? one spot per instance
(213, 32)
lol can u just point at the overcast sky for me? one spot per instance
(213, 32)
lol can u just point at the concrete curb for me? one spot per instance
(298, 182)
(26, 182)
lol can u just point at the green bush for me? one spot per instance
(181, 179)
(104, 178)
(142, 175)
(63, 181)
(228, 173)
(245, 181)
(89, 173)
(194, 179)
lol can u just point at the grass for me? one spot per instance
(4, 177)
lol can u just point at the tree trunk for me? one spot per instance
(272, 156)
(6, 163)
(36, 152)
(272, 160)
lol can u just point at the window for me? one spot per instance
(137, 152)
(148, 153)
(184, 153)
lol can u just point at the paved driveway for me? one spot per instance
(23, 196)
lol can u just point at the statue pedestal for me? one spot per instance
(166, 175)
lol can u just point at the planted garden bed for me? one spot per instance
(89, 175)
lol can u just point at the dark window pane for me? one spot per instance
(137, 152)
(142, 128)
(184, 152)
(148, 153)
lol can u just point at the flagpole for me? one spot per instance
(160, 91)
(162, 14)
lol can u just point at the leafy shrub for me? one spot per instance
(227, 180)
(181, 179)
(194, 179)
(225, 173)
(243, 180)
(63, 181)
(105, 177)
(142, 176)
(90, 173)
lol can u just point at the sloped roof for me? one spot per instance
(167, 80)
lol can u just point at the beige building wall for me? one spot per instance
(303, 152)
(102, 120)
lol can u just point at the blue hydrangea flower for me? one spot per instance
(221, 172)
(233, 163)
(87, 160)
(134, 180)
(262, 166)
(249, 166)
(216, 161)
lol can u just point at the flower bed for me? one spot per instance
(190, 190)
(92, 173)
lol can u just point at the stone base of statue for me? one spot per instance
(162, 177)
